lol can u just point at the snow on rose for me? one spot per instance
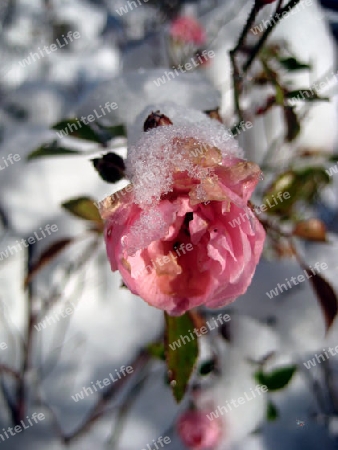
(170, 239)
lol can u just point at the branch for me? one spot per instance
(98, 409)
(272, 23)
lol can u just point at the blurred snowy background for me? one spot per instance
(116, 59)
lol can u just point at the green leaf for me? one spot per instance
(271, 412)
(293, 64)
(333, 158)
(301, 185)
(279, 95)
(78, 129)
(308, 95)
(84, 208)
(276, 380)
(115, 130)
(51, 149)
(156, 349)
(181, 360)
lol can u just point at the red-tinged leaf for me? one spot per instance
(181, 358)
(327, 297)
(292, 123)
(46, 256)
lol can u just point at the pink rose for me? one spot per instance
(188, 30)
(188, 237)
(197, 431)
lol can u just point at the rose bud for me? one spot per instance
(188, 30)
(197, 432)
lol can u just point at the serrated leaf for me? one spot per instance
(51, 149)
(307, 95)
(180, 360)
(77, 129)
(45, 257)
(271, 412)
(276, 380)
(84, 208)
(293, 64)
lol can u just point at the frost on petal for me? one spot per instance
(152, 161)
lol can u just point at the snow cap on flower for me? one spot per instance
(157, 155)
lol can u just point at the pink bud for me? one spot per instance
(197, 432)
(188, 30)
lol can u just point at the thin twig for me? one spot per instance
(272, 23)
(98, 409)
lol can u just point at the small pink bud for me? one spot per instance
(197, 432)
(188, 30)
